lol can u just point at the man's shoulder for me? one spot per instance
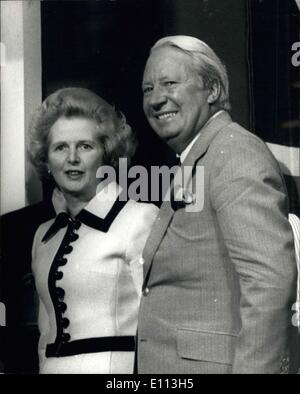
(17, 233)
(242, 153)
(235, 133)
(26, 220)
(237, 140)
(36, 212)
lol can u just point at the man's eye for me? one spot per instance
(147, 89)
(170, 83)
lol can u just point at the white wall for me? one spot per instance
(20, 94)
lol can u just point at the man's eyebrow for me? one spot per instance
(146, 83)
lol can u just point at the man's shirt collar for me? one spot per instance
(186, 151)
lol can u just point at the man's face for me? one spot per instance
(175, 100)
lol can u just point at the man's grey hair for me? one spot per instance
(207, 64)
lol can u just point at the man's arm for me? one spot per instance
(249, 196)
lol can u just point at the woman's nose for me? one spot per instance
(73, 156)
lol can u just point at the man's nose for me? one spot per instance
(158, 98)
(73, 156)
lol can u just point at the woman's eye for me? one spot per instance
(60, 148)
(85, 147)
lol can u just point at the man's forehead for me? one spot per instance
(169, 52)
(166, 60)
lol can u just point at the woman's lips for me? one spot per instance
(74, 174)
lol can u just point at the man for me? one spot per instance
(19, 337)
(218, 282)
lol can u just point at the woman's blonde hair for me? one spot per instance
(115, 134)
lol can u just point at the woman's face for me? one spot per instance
(74, 155)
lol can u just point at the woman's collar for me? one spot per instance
(98, 214)
(100, 205)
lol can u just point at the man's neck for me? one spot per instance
(186, 151)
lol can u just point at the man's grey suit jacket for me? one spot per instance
(219, 283)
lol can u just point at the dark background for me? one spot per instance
(103, 45)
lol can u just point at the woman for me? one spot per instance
(87, 262)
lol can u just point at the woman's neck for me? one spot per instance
(75, 203)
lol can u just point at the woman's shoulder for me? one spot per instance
(142, 209)
(139, 219)
(138, 215)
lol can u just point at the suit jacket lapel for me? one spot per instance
(208, 133)
(158, 230)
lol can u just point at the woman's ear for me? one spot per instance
(214, 92)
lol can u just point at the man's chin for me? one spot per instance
(166, 135)
(171, 139)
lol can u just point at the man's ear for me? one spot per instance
(214, 92)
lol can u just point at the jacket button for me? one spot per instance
(60, 292)
(62, 261)
(146, 291)
(65, 322)
(58, 275)
(62, 307)
(141, 260)
(68, 249)
(73, 237)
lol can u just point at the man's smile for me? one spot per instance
(166, 115)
